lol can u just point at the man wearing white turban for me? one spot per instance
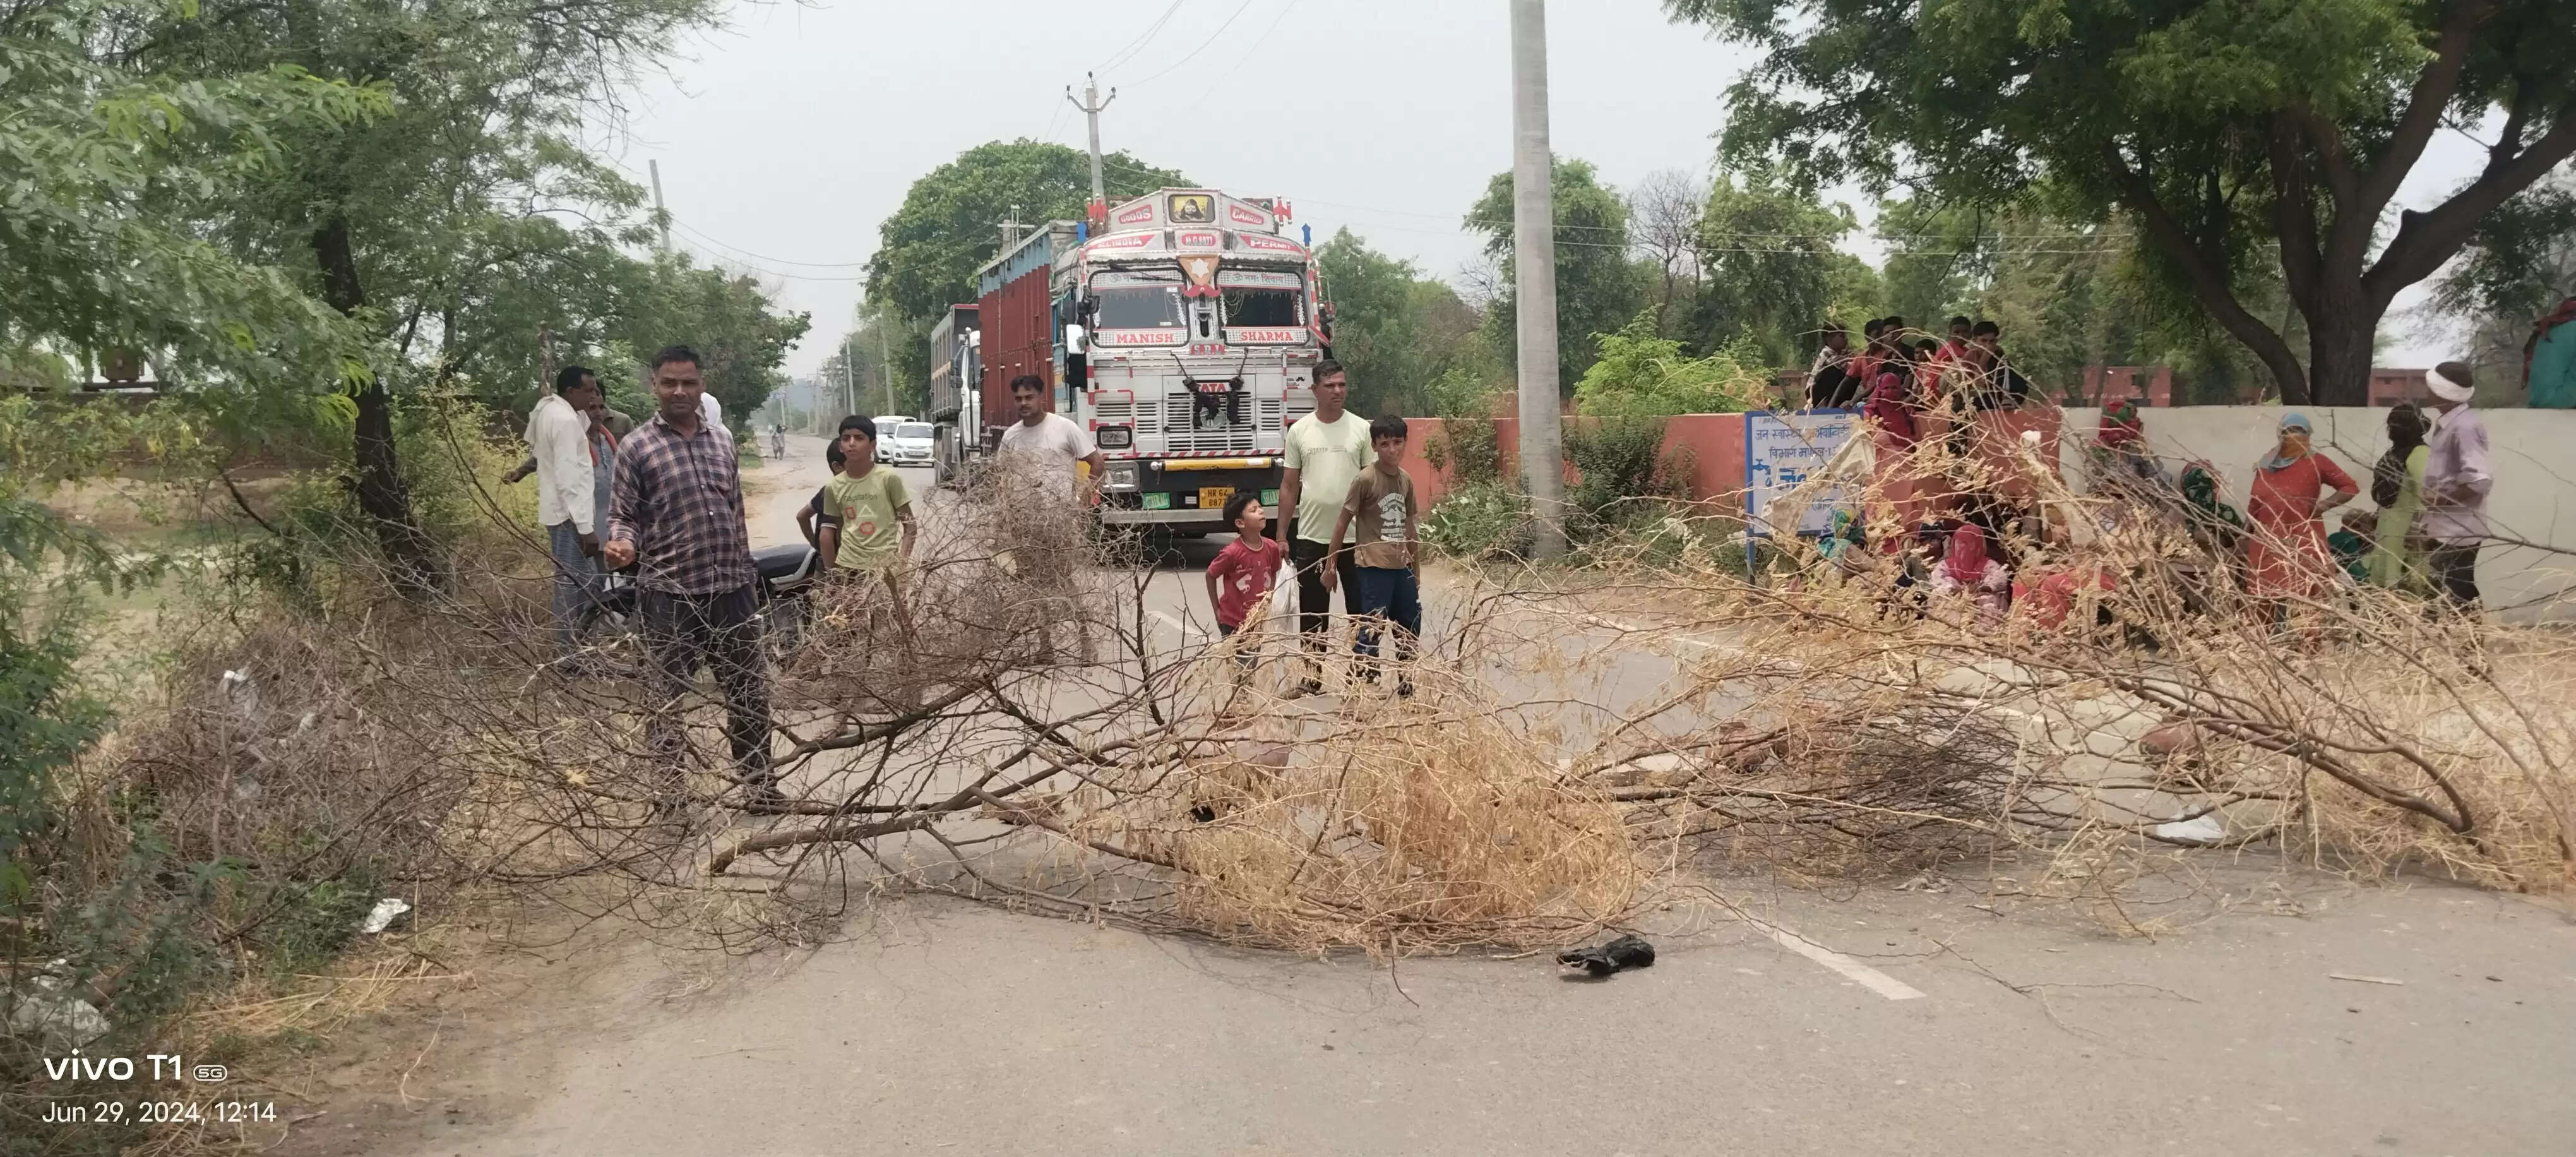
(2456, 481)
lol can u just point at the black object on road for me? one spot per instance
(1624, 952)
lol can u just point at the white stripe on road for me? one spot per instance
(1185, 629)
(1862, 974)
(1633, 629)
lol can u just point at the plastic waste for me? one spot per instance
(47, 1008)
(382, 917)
(2204, 829)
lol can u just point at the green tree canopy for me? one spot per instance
(2235, 133)
(1768, 251)
(948, 225)
(1408, 341)
(1599, 286)
(404, 222)
(108, 176)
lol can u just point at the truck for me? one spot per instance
(956, 390)
(1182, 332)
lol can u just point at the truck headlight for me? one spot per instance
(1120, 476)
(1117, 437)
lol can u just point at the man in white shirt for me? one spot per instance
(559, 440)
(1041, 448)
(1326, 452)
(710, 410)
(1037, 457)
(2456, 482)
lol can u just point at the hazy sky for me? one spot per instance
(784, 142)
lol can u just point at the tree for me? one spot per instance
(386, 220)
(1769, 252)
(2221, 127)
(2520, 266)
(948, 224)
(109, 175)
(1598, 286)
(1401, 335)
(1664, 211)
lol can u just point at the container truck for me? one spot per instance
(956, 391)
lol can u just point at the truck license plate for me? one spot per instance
(1213, 497)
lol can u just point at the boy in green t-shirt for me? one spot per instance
(875, 511)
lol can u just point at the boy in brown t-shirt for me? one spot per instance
(1385, 552)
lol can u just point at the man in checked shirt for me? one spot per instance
(677, 505)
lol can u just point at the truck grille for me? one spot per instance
(1180, 438)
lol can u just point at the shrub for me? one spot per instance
(1478, 522)
(1623, 471)
(1640, 374)
(1469, 450)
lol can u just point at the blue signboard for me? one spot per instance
(1781, 451)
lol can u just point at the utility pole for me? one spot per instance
(1091, 106)
(1542, 446)
(661, 216)
(849, 381)
(885, 362)
(1011, 229)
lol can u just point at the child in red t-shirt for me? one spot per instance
(1244, 570)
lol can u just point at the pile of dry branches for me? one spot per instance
(1025, 727)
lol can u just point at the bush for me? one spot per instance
(1640, 374)
(1624, 473)
(1469, 450)
(1480, 521)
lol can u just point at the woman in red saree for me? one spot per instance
(2285, 555)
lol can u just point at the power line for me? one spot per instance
(1123, 55)
(685, 228)
(1203, 46)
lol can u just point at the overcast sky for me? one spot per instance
(784, 142)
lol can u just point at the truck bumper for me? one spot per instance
(1115, 516)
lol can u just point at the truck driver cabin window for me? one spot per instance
(1247, 308)
(1138, 307)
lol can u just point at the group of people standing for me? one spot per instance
(664, 497)
(2430, 489)
(1903, 375)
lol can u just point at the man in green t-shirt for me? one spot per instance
(875, 510)
(1326, 452)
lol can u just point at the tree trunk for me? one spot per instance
(382, 496)
(2342, 331)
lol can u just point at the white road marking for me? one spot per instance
(1633, 629)
(1185, 629)
(1866, 976)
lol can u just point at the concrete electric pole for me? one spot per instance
(1091, 104)
(661, 216)
(885, 362)
(849, 381)
(1542, 448)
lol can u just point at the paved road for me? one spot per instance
(1877, 1021)
(945, 1027)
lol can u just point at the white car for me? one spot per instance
(904, 442)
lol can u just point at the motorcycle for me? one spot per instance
(610, 623)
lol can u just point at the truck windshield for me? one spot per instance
(1139, 307)
(911, 430)
(1262, 307)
